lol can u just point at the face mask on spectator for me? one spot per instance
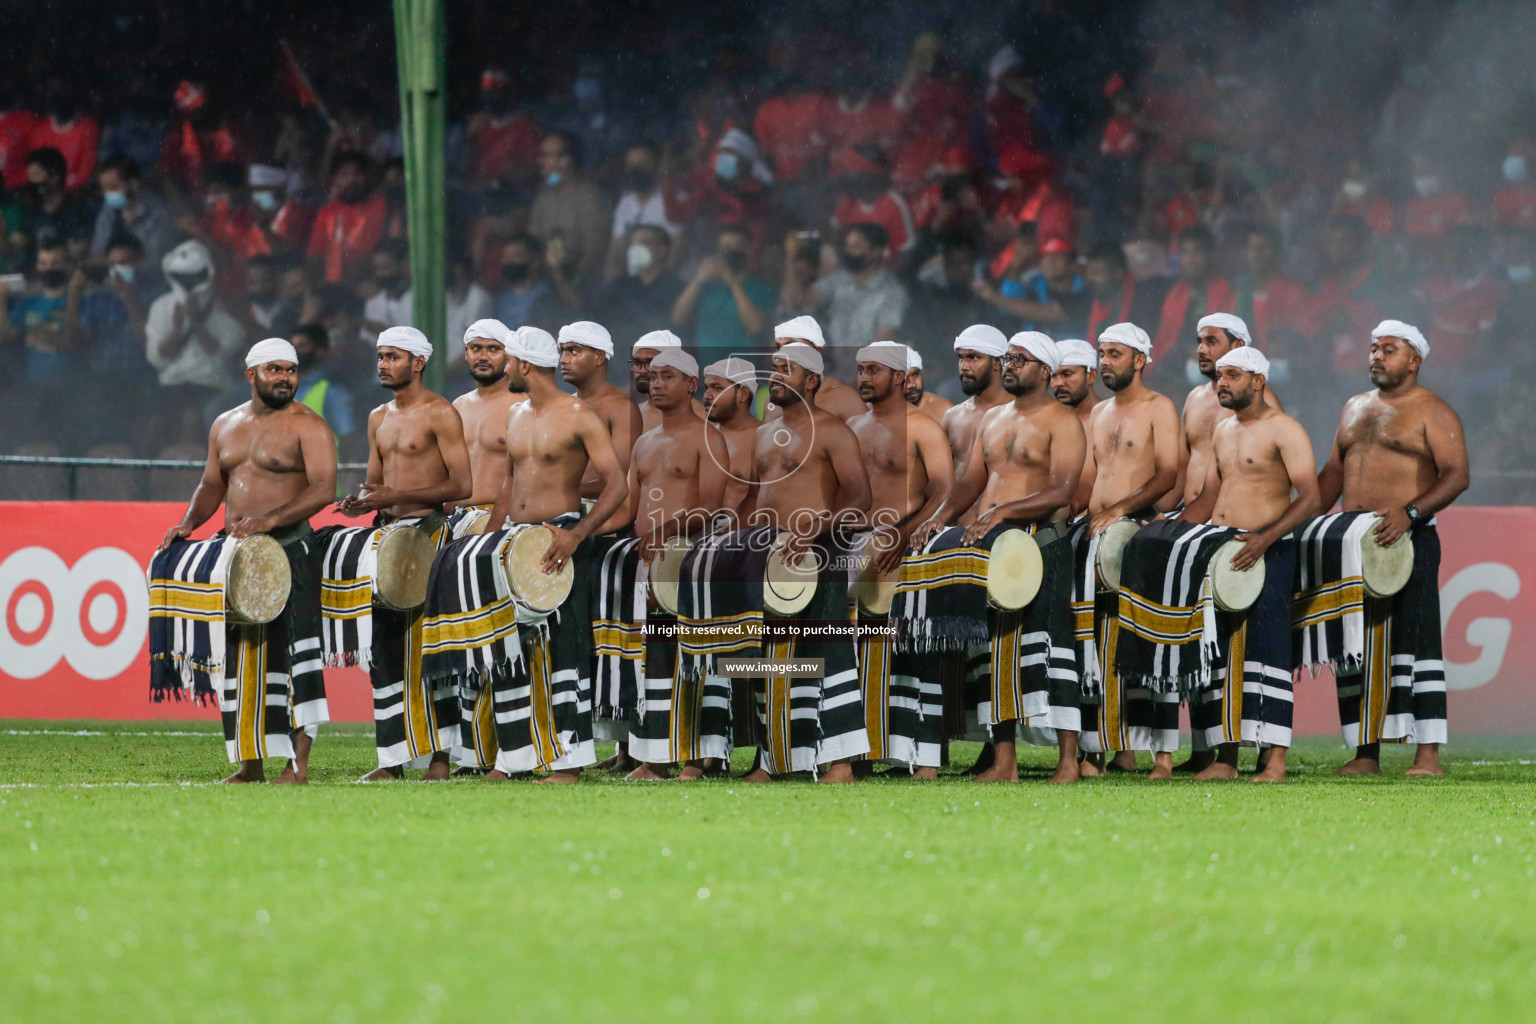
(1520, 273)
(638, 259)
(735, 261)
(552, 179)
(515, 273)
(115, 200)
(727, 165)
(1353, 190)
(855, 262)
(123, 272)
(190, 282)
(1514, 169)
(639, 181)
(1426, 185)
(53, 278)
(265, 200)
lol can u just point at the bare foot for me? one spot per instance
(619, 762)
(496, 775)
(1274, 771)
(438, 770)
(926, 773)
(389, 774)
(999, 773)
(836, 774)
(1088, 770)
(563, 777)
(983, 760)
(302, 742)
(1426, 761)
(757, 775)
(289, 777)
(244, 775)
(1124, 761)
(1199, 761)
(1217, 771)
(1162, 767)
(1360, 766)
(1067, 770)
(691, 773)
(649, 773)
(716, 768)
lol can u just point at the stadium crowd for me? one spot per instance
(157, 225)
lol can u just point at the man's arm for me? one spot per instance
(1296, 455)
(627, 427)
(373, 481)
(1181, 482)
(933, 451)
(1165, 467)
(630, 512)
(753, 319)
(1084, 496)
(1448, 447)
(208, 496)
(603, 460)
(853, 495)
(970, 479)
(1067, 448)
(318, 448)
(1330, 479)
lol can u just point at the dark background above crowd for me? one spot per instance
(897, 169)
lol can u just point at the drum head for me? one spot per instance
(1112, 544)
(404, 564)
(475, 523)
(1014, 571)
(529, 583)
(258, 580)
(667, 572)
(788, 589)
(1386, 569)
(1234, 591)
(872, 592)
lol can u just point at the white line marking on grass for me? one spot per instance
(102, 732)
(104, 785)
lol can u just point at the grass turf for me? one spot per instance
(126, 894)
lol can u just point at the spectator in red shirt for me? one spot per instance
(503, 141)
(859, 116)
(1030, 195)
(349, 226)
(1273, 306)
(1514, 204)
(935, 107)
(67, 130)
(1437, 205)
(1011, 103)
(198, 139)
(16, 127)
(864, 176)
(1462, 299)
(1358, 197)
(1199, 291)
(791, 129)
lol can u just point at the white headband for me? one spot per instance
(1246, 358)
(737, 371)
(914, 360)
(679, 360)
(273, 350)
(589, 334)
(491, 330)
(886, 353)
(1040, 346)
(1409, 333)
(1077, 352)
(406, 339)
(805, 355)
(983, 338)
(1128, 335)
(802, 328)
(534, 345)
(1233, 325)
(658, 340)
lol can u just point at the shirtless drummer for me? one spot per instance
(1258, 456)
(676, 484)
(1133, 461)
(552, 439)
(1399, 451)
(916, 393)
(272, 463)
(484, 411)
(640, 356)
(417, 464)
(585, 348)
(728, 396)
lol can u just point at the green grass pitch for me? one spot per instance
(130, 892)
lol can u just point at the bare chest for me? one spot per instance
(272, 448)
(1121, 435)
(1380, 427)
(1014, 442)
(405, 435)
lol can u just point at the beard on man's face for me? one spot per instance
(485, 376)
(977, 383)
(276, 396)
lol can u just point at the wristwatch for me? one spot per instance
(1413, 514)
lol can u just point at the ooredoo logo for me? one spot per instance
(94, 615)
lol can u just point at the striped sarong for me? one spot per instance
(1168, 631)
(679, 717)
(1328, 609)
(186, 619)
(461, 517)
(903, 701)
(618, 615)
(941, 594)
(1397, 694)
(346, 593)
(720, 598)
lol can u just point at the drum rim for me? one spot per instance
(1403, 543)
(566, 572)
(1098, 564)
(1036, 559)
(1261, 570)
(676, 542)
(252, 543)
(385, 535)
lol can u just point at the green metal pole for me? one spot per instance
(420, 44)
